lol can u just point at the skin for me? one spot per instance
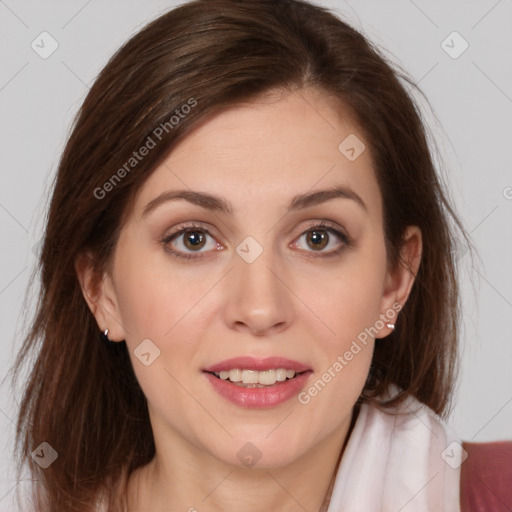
(289, 302)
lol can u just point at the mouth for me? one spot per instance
(258, 383)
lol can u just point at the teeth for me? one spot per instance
(250, 377)
(268, 378)
(235, 375)
(254, 378)
(281, 374)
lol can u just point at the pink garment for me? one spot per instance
(486, 477)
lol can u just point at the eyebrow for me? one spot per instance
(218, 204)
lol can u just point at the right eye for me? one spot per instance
(190, 241)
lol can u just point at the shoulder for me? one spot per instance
(486, 477)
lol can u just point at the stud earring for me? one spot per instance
(391, 326)
(105, 335)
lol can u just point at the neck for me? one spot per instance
(194, 483)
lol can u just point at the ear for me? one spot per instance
(99, 293)
(399, 280)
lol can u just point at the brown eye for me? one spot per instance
(190, 242)
(194, 239)
(323, 240)
(317, 239)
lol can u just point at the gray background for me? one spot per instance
(471, 96)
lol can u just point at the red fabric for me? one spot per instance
(486, 477)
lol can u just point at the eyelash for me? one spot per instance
(323, 226)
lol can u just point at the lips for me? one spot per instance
(253, 382)
(257, 364)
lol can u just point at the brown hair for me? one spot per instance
(82, 396)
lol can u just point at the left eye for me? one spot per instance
(319, 238)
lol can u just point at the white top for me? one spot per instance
(403, 460)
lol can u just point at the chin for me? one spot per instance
(259, 451)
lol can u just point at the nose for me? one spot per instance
(258, 301)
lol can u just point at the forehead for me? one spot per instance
(269, 150)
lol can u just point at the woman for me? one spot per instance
(248, 295)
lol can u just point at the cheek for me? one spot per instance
(349, 304)
(153, 295)
(350, 307)
(159, 303)
(349, 300)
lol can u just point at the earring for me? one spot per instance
(391, 326)
(104, 335)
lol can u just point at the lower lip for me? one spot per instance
(259, 398)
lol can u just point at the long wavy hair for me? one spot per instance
(81, 396)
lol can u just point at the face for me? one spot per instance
(255, 251)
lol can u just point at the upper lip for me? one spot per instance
(257, 363)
